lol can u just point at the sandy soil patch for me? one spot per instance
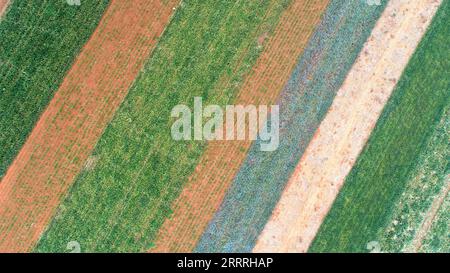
(67, 131)
(3, 6)
(341, 136)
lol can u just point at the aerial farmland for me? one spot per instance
(224, 126)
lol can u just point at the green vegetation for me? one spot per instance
(374, 186)
(438, 238)
(120, 203)
(424, 187)
(39, 42)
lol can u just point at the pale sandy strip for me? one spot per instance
(341, 136)
(3, 6)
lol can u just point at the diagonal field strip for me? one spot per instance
(430, 217)
(39, 43)
(346, 127)
(119, 203)
(381, 175)
(214, 173)
(72, 123)
(321, 70)
(425, 188)
(3, 6)
(437, 237)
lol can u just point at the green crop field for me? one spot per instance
(426, 185)
(373, 188)
(438, 238)
(119, 203)
(39, 42)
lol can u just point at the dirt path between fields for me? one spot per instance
(341, 136)
(217, 167)
(68, 130)
(3, 6)
(430, 216)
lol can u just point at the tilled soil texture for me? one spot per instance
(67, 131)
(207, 186)
(347, 126)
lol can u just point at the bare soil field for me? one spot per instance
(69, 128)
(217, 167)
(346, 127)
(3, 6)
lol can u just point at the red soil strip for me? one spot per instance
(74, 120)
(3, 6)
(217, 167)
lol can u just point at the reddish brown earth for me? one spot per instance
(68, 130)
(3, 5)
(207, 186)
